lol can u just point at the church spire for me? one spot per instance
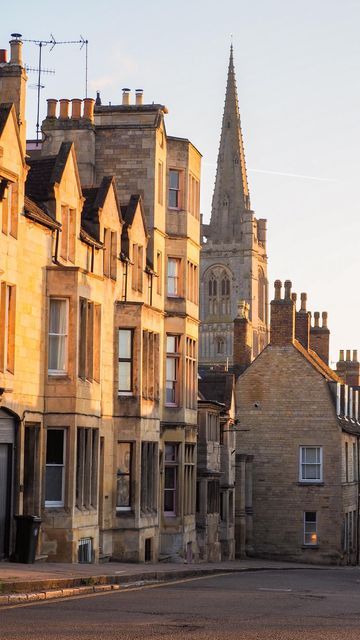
(231, 194)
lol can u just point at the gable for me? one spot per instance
(11, 159)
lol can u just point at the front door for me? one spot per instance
(7, 440)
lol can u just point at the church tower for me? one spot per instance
(233, 264)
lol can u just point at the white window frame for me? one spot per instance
(173, 357)
(57, 503)
(174, 279)
(306, 532)
(302, 463)
(126, 392)
(60, 372)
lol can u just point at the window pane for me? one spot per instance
(173, 199)
(53, 488)
(57, 353)
(123, 457)
(55, 446)
(311, 472)
(311, 455)
(172, 267)
(170, 344)
(57, 316)
(169, 501)
(170, 393)
(125, 376)
(123, 491)
(170, 477)
(125, 343)
(170, 369)
(170, 453)
(174, 179)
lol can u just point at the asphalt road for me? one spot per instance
(278, 605)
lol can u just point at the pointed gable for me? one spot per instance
(135, 227)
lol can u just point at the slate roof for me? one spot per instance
(34, 212)
(217, 386)
(94, 201)
(45, 172)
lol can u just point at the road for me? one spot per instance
(306, 604)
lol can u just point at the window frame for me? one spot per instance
(174, 356)
(56, 503)
(173, 464)
(307, 532)
(129, 474)
(175, 279)
(59, 372)
(130, 391)
(304, 480)
(176, 190)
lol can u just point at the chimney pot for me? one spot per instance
(324, 316)
(126, 96)
(287, 285)
(64, 108)
(51, 107)
(316, 319)
(139, 96)
(76, 108)
(355, 355)
(3, 56)
(348, 355)
(294, 297)
(16, 52)
(277, 285)
(341, 355)
(303, 297)
(89, 105)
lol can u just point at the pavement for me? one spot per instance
(42, 581)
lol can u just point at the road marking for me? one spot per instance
(123, 589)
(270, 589)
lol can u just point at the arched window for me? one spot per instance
(261, 295)
(213, 305)
(225, 294)
(220, 345)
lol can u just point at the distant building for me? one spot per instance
(300, 423)
(233, 251)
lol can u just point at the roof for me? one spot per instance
(217, 387)
(5, 109)
(94, 201)
(34, 212)
(318, 364)
(45, 172)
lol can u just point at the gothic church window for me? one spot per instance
(219, 292)
(225, 294)
(220, 346)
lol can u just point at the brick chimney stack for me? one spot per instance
(282, 322)
(243, 334)
(302, 323)
(349, 369)
(320, 336)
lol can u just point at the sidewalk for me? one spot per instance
(42, 581)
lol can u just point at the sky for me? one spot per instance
(297, 70)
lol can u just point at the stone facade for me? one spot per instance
(301, 425)
(233, 251)
(99, 267)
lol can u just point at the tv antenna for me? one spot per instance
(39, 70)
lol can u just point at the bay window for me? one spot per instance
(58, 336)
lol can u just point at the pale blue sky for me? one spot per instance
(297, 68)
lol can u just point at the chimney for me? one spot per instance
(243, 334)
(126, 96)
(13, 82)
(76, 108)
(64, 108)
(139, 97)
(98, 99)
(320, 336)
(349, 369)
(282, 322)
(89, 105)
(302, 323)
(51, 108)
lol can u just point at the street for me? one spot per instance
(276, 605)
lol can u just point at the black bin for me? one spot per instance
(27, 534)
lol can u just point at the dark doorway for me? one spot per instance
(7, 440)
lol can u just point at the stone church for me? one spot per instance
(233, 254)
